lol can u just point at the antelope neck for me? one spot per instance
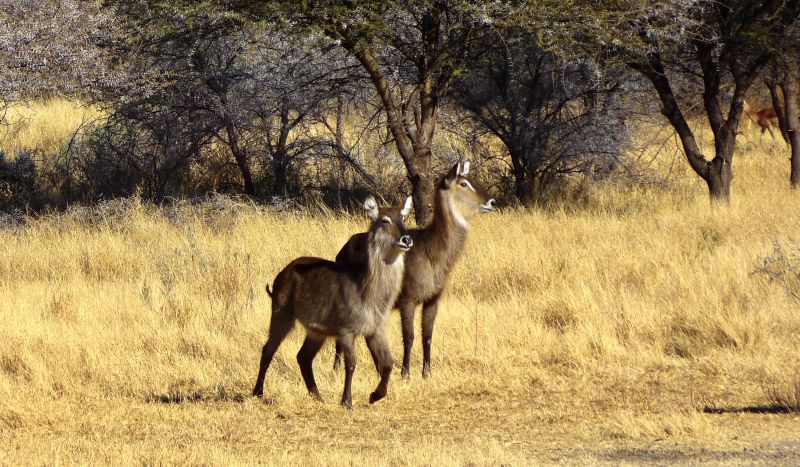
(382, 278)
(446, 230)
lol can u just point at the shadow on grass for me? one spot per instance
(755, 409)
(197, 397)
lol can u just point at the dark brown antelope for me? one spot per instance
(428, 265)
(765, 118)
(342, 300)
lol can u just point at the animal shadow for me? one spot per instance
(182, 397)
(753, 409)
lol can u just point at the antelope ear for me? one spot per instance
(452, 174)
(406, 208)
(371, 207)
(462, 168)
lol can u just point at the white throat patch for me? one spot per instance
(456, 215)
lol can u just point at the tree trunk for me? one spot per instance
(789, 87)
(719, 174)
(280, 157)
(522, 186)
(422, 187)
(233, 138)
(780, 112)
(719, 179)
(414, 147)
(240, 156)
(280, 186)
(654, 71)
(341, 163)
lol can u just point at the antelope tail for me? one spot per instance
(269, 292)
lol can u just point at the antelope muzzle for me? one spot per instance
(489, 206)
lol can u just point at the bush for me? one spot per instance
(17, 181)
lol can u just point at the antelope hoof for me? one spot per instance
(258, 392)
(316, 396)
(426, 372)
(405, 374)
(347, 404)
(376, 396)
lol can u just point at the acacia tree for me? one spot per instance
(294, 83)
(203, 63)
(730, 41)
(411, 50)
(722, 44)
(49, 47)
(223, 81)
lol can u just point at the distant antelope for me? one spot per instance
(766, 118)
(428, 265)
(342, 301)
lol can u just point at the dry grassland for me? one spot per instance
(132, 334)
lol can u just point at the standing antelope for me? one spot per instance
(436, 250)
(342, 301)
(765, 118)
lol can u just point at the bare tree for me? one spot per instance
(554, 116)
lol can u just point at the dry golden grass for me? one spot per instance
(43, 125)
(588, 336)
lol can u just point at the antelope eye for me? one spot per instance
(464, 184)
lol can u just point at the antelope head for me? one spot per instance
(465, 199)
(387, 231)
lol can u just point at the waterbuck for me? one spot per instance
(428, 265)
(342, 300)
